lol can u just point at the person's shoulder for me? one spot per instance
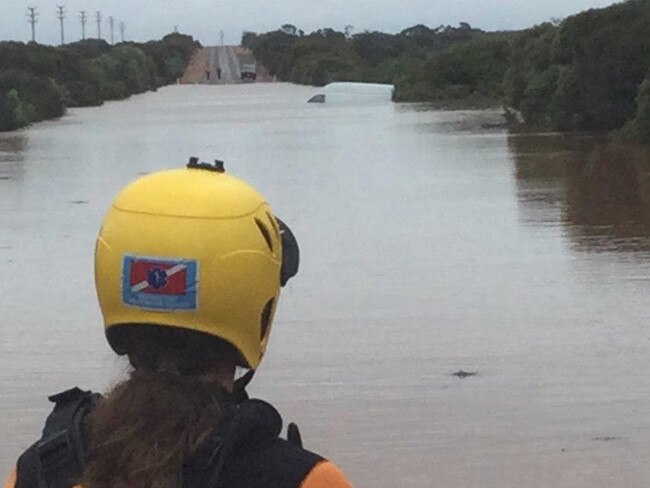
(265, 456)
(11, 482)
(69, 409)
(293, 465)
(326, 475)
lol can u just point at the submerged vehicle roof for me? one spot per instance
(347, 92)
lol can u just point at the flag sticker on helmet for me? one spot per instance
(160, 284)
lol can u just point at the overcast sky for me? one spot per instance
(204, 19)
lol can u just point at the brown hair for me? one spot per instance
(147, 426)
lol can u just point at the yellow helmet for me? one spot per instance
(194, 249)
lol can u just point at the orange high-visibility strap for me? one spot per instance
(11, 482)
(326, 475)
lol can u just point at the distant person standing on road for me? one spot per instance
(188, 269)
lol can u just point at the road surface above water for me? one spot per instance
(221, 65)
(429, 244)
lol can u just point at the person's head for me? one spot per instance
(174, 399)
(195, 252)
(188, 269)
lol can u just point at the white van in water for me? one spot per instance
(345, 92)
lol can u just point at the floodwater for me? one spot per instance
(431, 242)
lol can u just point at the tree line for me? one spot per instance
(39, 82)
(587, 72)
(407, 59)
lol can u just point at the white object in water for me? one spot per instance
(343, 92)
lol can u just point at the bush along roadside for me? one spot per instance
(39, 82)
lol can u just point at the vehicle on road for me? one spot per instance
(249, 72)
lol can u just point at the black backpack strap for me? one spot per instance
(205, 467)
(245, 451)
(61, 451)
(27, 469)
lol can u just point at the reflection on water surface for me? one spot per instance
(601, 191)
(12, 149)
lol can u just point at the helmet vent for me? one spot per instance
(266, 318)
(265, 233)
(274, 223)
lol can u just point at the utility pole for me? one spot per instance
(33, 19)
(60, 14)
(122, 29)
(223, 36)
(111, 22)
(83, 19)
(98, 19)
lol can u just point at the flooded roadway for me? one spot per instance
(429, 245)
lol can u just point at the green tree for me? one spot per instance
(638, 129)
(466, 70)
(41, 98)
(12, 115)
(290, 29)
(584, 72)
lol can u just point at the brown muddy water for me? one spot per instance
(430, 244)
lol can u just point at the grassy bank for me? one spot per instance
(39, 82)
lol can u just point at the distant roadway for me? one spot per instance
(219, 65)
(229, 62)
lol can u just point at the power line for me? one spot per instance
(83, 19)
(60, 14)
(98, 19)
(111, 22)
(33, 19)
(122, 29)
